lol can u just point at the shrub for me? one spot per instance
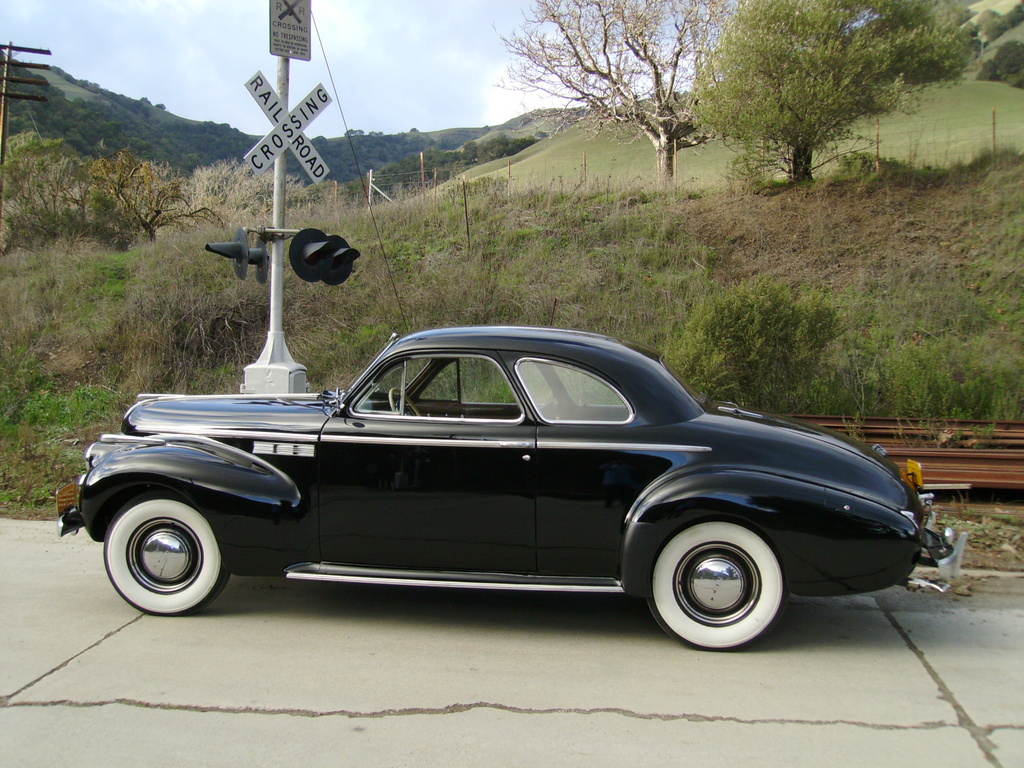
(759, 343)
(948, 378)
(1007, 65)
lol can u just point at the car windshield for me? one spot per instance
(387, 345)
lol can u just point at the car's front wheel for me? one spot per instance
(162, 557)
(717, 586)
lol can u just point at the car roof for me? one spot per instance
(635, 370)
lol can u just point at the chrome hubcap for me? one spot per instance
(717, 584)
(164, 556)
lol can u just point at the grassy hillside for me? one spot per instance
(921, 270)
(93, 121)
(951, 124)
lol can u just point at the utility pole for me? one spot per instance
(276, 371)
(6, 96)
(314, 255)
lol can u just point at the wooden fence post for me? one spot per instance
(878, 146)
(993, 131)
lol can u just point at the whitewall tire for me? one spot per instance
(717, 586)
(162, 557)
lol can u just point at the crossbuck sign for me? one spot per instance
(288, 128)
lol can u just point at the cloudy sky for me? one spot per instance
(397, 64)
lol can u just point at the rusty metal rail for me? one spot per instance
(945, 449)
(953, 433)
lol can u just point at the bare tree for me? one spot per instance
(630, 63)
(148, 194)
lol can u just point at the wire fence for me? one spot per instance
(935, 141)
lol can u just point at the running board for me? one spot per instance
(462, 580)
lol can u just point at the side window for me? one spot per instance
(447, 387)
(565, 394)
(387, 394)
(470, 381)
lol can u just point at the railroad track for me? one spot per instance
(978, 454)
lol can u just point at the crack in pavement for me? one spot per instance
(980, 734)
(964, 720)
(5, 700)
(453, 709)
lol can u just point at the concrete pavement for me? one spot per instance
(277, 671)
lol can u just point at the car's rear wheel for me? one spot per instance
(717, 586)
(162, 557)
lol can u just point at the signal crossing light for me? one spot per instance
(238, 250)
(317, 256)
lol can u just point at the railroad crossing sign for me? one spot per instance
(288, 128)
(289, 29)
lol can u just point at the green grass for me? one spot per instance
(922, 265)
(951, 125)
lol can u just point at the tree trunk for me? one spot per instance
(665, 152)
(801, 164)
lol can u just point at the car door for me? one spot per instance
(591, 466)
(430, 466)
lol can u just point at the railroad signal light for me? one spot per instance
(242, 255)
(316, 256)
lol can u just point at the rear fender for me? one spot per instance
(767, 504)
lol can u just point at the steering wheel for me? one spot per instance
(395, 400)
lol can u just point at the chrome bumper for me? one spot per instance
(945, 550)
(69, 516)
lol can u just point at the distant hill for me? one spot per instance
(95, 121)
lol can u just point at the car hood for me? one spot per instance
(227, 417)
(803, 451)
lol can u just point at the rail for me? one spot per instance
(978, 454)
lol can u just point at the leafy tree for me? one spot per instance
(45, 186)
(791, 78)
(629, 63)
(1007, 65)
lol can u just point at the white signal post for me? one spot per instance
(276, 372)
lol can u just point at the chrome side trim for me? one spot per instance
(404, 417)
(471, 580)
(149, 396)
(593, 445)
(435, 442)
(284, 449)
(237, 434)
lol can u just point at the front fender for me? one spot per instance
(824, 545)
(250, 504)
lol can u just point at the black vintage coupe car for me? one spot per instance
(502, 458)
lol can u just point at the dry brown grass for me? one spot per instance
(930, 259)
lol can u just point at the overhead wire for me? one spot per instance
(359, 171)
